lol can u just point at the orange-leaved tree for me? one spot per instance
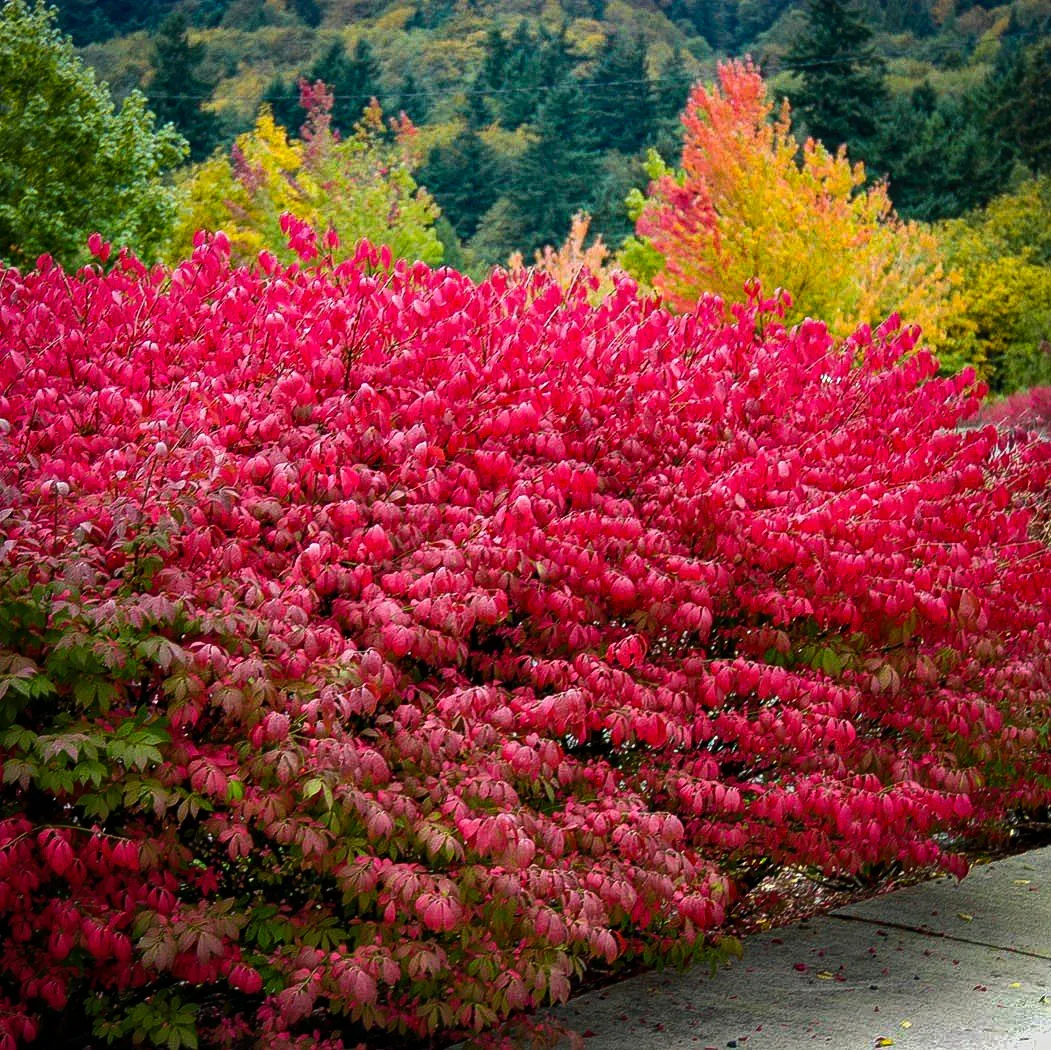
(573, 263)
(749, 202)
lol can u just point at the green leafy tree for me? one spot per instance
(841, 76)
(177, 91)
(72, 164)
(1004, 253)
(358, 185)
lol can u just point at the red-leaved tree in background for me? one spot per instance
(379, 650)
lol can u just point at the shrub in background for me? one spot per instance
(379, 651)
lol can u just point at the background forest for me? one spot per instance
(521, 114)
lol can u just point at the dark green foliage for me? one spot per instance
(757, 16)
(431, 13)
(715, 20)
(841, 77)
(938, 155)
(307, 11)
(177, 92)
(1019, 110)
(353, 80)
(672, 87)
(88, 21)
(535, 64)
(618, 175)
(282, 96)
(557, 173)
(413, 100)
(464, 178)
(210, 13)
(908, 16)
(620, 100)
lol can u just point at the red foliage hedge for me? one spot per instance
(378, 650)
(1025, 410)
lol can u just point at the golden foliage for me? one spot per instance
(750, 203)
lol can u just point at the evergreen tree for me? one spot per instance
(842, 87)
(534, 64)
(478, 109)
(464, 177)
(493, 71)
(673, 87)
(620, 104)
(352, 79)
(908, 16)
(413, 100)
(90, 21)
(939, 158)
(282, 96)
(307, 11)
(1019, 110)
(557, 173)
(521, 80)
(177, 91)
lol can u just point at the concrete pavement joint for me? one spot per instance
(937, 933)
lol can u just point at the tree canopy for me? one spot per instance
(357, 186)
(749, 203)
(72, 163)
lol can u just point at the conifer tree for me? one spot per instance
(842, 87)
(620, 103)
(557, 173)
(282, 96)
(1019, 112)
(413, 100)
(353, 80)
(308, 11)
(672, 87)
(464, 178)
(177, 92)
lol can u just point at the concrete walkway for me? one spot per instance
(939, 966)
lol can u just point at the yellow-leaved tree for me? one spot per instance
(1004, 253)
(358, 186)
(750, 202)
